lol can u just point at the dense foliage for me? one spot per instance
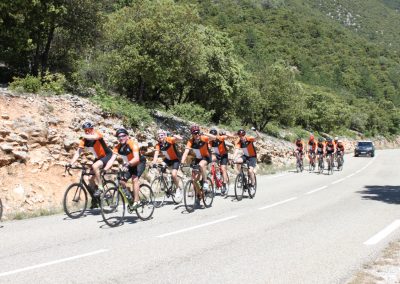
(326, 66)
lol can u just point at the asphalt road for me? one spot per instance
(300, 228)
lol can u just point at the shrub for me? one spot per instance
(29, 84)
(54, 83)
(193, 112)
(272, 129)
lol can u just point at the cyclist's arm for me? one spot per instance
(258, 134)
(76, 156)
(178, 138)
(156, 153)
(235, 154)
(110, 162)
(210, 136)
(184, 156)
(91, 136)
(133, 162)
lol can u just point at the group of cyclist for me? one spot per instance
(321, 148)
(207, 148)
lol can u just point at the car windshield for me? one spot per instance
(364, 144)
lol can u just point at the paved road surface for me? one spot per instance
(300, 228)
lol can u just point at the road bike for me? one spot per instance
(113, 202)
(75, 198)
(311, 165)
(192, 198)
(299, 162)
(163, 186)
(217, 178)
(320, 163)
(330, 162)
(242, 182)
(339, 161)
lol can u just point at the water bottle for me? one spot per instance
(127, 194)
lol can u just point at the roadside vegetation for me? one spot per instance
(272, 64)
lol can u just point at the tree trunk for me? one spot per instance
(45, 54)
(141, 89)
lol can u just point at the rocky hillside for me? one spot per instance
(38, 135)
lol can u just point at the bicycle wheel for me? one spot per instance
(208, 196)
(320, 166)
(252, 190)
(158, 188)
(75, 200)
(1, 209)
(146, 199)
(189, 196)
(112, 205)
(174, 198)
(225, 190)
(239, 188)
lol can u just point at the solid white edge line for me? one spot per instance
(196, 227)
(318, 189)
(351, 175)
(383, 234)
(277, 203)
(339, 180)
(51, 262)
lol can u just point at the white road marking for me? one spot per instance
(278, 203)
(196, 227)
(318, 189)
(383, 234)
(339, 180)
(349, 176)
(51, 262)
(280, 175)
(359, 171)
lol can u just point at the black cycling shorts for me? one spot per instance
(104, 159)
(172, 163)
(207, 159)
(136, 170)
(223, 160)
(252, 160)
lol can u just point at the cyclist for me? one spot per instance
(220, 152)
(199, 144)
(340, 149)
(299, 150)
(93, 142)
(330, 148)
(134, 162)
(246, 143)
(312, 148)
(167, 145)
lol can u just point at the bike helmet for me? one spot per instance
(320, 139)
(121, 131)
(329, 139)
(311, 137)
(222, 132)
(161, 133)
(298, 139)
(340, 141)
(336, 138)
(241, 132)
(87, 125)
(195, 129)
(213, 131)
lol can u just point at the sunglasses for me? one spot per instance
(196, 133)
(122, 136)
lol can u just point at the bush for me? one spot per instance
(133, 115)
(193, 112)
(54, 83)
(273, 130)
(29, 84)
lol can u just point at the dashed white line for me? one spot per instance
(51, 262)
(278, 203)
(196, 227)
(339, 180)
(383, 234)
(318, 189)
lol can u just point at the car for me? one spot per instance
(364, 148)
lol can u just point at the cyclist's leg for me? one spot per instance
(96, 167)
(239, 162)
(252, 165)
(203, 168)
(136, 172)
(223, 164)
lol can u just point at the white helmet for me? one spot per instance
(336, 138)
(161, 133)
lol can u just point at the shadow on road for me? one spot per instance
(386, 193)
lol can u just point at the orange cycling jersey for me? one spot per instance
(299, 145)
(97, 147)
(127, 150)
(247, 146)
(312, 146)
(219, 145)
(168, 148)
(200, 146)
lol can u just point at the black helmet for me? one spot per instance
(241, 132)
(320, 139)
(195, 129)
(213, 131)
(121, 131)
(329, 139)
(87, 125)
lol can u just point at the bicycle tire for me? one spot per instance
(112, 205)
(239, 187)
(189, 196)
(159, 189)
(1, 209)
(174, 199)
(208, 195)
(226, 188)
(146, 199)
(80, 200)
(252, 191)
(320, 166)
